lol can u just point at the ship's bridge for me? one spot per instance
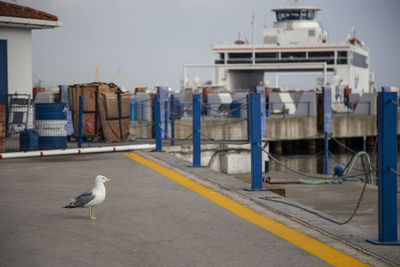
(295, 25)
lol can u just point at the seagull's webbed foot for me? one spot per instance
(91, 214)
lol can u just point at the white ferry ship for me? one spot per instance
(297, 43)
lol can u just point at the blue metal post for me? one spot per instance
(387, 159)
(254, 120)
(172, 109)
(196, 131)
(157, 120)
(80, 121)
(166, 119)
(326, 150)
(327, 97)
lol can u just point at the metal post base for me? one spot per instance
(260, 189)
(378, 242)
(195, 166)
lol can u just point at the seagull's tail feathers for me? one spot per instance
(72, 204)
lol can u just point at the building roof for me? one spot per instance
(13, 15)
(14, 10)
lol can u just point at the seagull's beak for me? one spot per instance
(109, 180)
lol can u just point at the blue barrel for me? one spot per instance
(133, 107)
(28, 140)
(51, 123)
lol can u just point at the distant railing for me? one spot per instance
(351, 106)
(282, 106)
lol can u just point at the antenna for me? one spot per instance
(265, 21)
(98, 74)
(253, 24)
(117, 76)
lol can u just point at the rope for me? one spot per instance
(341, 162)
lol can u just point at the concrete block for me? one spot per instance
(307, 105)
(278, 100)
(366, 105)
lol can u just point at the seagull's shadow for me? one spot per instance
(75, 216)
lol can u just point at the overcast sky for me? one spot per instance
(150, 40)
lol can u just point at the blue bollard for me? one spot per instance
(157, 121)
(196, 131)
(326, 152)
(387, 160)
(166, 119)
(172, 110)
(254, 121)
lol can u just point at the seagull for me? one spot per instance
(92, 197)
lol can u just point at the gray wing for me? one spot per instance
(83, 199)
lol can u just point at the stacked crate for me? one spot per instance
(106, 111)
(90, 116)
(114, 110)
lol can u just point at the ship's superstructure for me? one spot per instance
(297, 43)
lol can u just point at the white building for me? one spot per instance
(16, 25)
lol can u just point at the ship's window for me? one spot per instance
(321, 56)
(266, 55)
(293, 54)
(342, 57)
(240, 55)
(293, 15)
(359, 60)
(280, 15)
(304, 14)
(310, 14)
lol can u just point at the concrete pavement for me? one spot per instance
(146, 219)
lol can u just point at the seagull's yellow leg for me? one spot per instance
(92, 214)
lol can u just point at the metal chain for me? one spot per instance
(217, 141)
(394, 102)
(183, 111)
(395, 172)
(353, 213)
(343, 145)
(224, 150)
(220, 111)
(165, 133)
(224, 124)
(359, 175)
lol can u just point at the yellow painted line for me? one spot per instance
(305, 242)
